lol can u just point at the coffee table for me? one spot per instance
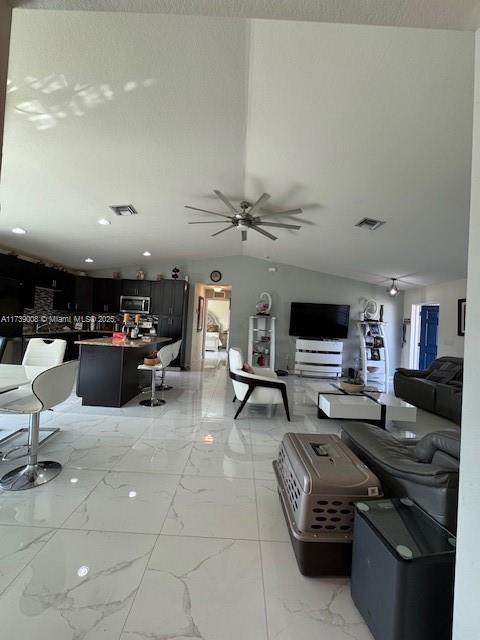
(370, 406)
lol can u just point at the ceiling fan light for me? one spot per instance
(393, 290)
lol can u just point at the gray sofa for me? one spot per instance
(425, 471)
(437, 389)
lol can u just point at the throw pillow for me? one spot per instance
(247, 368)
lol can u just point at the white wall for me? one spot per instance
(446, 295)
(5, 22)
(250, 276)
(466, 625)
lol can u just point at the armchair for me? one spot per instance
(260, 387)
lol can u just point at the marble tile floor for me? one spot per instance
(165, 524)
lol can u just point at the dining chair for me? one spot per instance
(3, 346)
(48, 389)
(39, 353)
(44, 353)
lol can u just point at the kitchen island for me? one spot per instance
(108, 375)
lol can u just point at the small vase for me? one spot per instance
(381, 313)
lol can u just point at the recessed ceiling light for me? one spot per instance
(18, 230)
(104, 221)
(147, 253)
(88, 259)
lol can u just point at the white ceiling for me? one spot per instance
(437, 14)
(158, 110)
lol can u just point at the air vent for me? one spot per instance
(370, 224)
(124, 209)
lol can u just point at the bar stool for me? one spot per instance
(49, 388)
(167, 355)
(153, 401)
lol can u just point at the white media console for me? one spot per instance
(318, 358)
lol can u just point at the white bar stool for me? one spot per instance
(153, 401)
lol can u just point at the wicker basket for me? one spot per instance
(151, 360)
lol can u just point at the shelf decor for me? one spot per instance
(261, 341)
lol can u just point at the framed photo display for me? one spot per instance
(462, 307)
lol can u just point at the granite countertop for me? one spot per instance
(42, 334)
(110, 342)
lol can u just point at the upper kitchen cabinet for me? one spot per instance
(106, 295)
(136, 288)
(168, 297)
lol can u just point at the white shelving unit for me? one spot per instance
(374, 370)
(318, 358)
(261, 341)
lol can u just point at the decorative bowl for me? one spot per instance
(351, 388)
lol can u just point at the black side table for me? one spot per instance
(402, 571)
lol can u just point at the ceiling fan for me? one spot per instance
(246, 217)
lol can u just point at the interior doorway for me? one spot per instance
(424, 344)
(217, 322)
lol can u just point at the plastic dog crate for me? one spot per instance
(319, 480)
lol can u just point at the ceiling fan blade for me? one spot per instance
(213, 213)
(208, 222)
(263, 198)
(290, 212)
(222, 230)
(264, 233)
(244, 235)
(279, 224)
(225, 201)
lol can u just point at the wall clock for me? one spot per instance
(215, 276)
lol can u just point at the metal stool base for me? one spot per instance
(151, 402)
(30, 476)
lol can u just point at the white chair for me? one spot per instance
(38, 353)
(260, 387)
(167, 355)
(153, 401)
(49, 388)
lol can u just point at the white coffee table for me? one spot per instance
(371, 407)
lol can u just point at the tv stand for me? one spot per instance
(318, 358)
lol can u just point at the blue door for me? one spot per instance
(428, 335)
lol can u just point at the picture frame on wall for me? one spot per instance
(462, 308)
(200, 313)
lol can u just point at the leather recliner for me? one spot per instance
(425, 471)
(437, 389)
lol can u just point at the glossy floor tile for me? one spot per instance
(208, 588)
(165, 524)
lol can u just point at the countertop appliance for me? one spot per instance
(134, 304)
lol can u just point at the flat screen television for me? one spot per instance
(309, 320)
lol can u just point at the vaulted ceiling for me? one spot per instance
(157, 110)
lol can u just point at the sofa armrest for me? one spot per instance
(413, 373)
(445, 441)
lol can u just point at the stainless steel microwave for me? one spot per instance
(134, 304)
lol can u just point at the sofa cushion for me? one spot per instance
(446, 372)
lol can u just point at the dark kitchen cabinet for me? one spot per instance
(48, 277)
(22, 271)
(169, 303)
(136, 288)
(83, 294)
(106, 295)
(168, 297)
